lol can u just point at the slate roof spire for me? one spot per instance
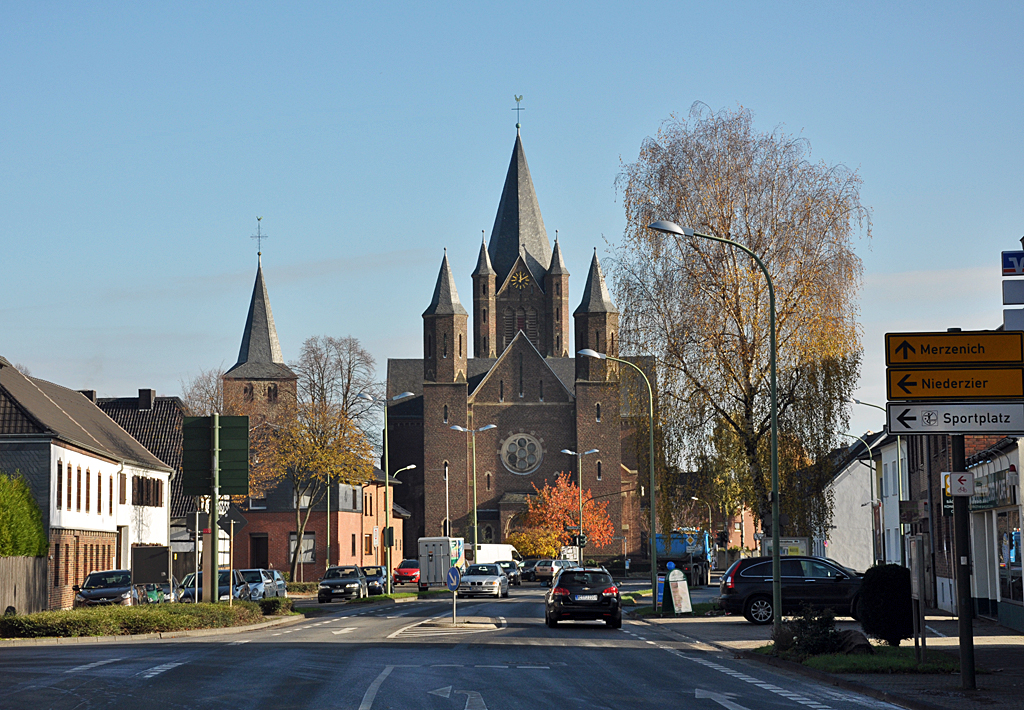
(483, 263)
(596, 298)
(445, 301)
(518, 225)
(557, 267)
(260, 354)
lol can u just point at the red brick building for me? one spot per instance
(522, 379)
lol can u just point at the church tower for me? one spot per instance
(260, 376)
(597, 325)
(556, 287)
(484, 317)
(444, 331)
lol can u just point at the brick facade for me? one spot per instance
(73, 555)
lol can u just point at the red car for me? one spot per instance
(407, 573)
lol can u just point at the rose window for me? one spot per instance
(521, 454)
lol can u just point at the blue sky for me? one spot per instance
(138, 142)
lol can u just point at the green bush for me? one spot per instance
(123, 620)
(302, 587)
(276, 605)
(884, 606)
(21, 522)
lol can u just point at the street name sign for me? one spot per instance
(958, 384)
(955, 418)
(985, 347)
(959, 483)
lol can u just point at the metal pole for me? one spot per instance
(195, 581)
(328, 523)
(579, 480)
(475, 531)
(899, 475)
(231, 566)
(962, 541)
(214, 583)
(447, 525)
(387, 501)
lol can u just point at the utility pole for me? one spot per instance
(961, 548)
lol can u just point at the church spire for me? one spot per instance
(445, 301)
(596, 298)
(260, 353)
(518, 225)
(557, 267)
(483, 263)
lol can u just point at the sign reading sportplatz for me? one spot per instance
(960, 383)
(955, 418)
(986, 347)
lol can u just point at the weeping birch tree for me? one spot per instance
(702, 307)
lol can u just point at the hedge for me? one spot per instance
(21, 522)
(276, 605)
(124, 620)
(302, 587)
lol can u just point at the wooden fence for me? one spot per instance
(23, 584)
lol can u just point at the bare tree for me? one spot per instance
(203, 394)
(701, 307)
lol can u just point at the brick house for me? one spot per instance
(523, 380)
(100, 491)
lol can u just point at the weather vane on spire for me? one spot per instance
(518, 108)
(259, 237)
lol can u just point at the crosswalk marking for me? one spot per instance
(88, 666)
(157, 670)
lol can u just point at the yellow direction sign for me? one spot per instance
(978, 347)
(964, 383)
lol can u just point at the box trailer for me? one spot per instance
(437, 555)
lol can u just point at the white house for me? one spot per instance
(100, 491)
(850, 540)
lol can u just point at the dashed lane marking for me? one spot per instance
(157, 670)
(89, 666)
(346, 630)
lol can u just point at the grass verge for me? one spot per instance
(885, 659)
(126, 620)
(699, 609)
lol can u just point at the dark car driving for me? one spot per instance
(746, 587)
(376, 579)
(583, 593)
(511, 570)
(344, 582)
(111, 587)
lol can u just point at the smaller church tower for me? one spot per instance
(556, 289)
(597, 326)
(445, 331)
(484, 317)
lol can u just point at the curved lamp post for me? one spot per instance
(899, 475)
(587, 352)
(389, 536)
(666, 227)
(709, 510)
(579, 484)
(472, 433)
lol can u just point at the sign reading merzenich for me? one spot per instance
(955, 418)
(977, 347)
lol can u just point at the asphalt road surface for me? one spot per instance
(408, 656)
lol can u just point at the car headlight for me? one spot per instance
(352, 584)
(79, 598)
(126, 594)
(495, 583)
(324, 586)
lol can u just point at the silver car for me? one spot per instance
(261, 584)
(484, 580)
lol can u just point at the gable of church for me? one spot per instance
(521, 374)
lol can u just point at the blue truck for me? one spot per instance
(689, 549)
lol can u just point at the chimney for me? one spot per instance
(89, 395)
(146, 399)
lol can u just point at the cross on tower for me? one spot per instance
(518, 108)
(259, 237)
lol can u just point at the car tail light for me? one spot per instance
(560, 592)
(729, 583)
(610, 592)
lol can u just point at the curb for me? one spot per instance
(129, 638)
(860, 688)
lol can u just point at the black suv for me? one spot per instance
(347, 581)
(585, 593)
(823, 584)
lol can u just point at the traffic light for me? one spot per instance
(723, 538)
(581, 541)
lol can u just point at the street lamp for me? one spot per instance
(389, 534)
(579, 484)
(666, 227)
(587, 352)
(472, 432)
(709, 510)
(446, 526)
(899, 475)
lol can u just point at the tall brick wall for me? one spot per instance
(74, 554)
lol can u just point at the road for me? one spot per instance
(407, 656)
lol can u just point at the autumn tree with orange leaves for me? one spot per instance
(556, 506)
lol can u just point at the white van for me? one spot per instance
(493, 552)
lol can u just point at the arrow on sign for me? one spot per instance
(907, 348)
(962, 480)
(719, 698)
(903, 418)
(903, 384)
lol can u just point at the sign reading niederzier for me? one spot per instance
(955, 418)
(960, 384)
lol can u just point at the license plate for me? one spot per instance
(586, 597)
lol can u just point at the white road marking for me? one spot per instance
(937, 633)
(534, 668)
(239, 643)
(719, 698)
(346, 630)
(371, 692)
(474, 701)
(88, 666)
(157, 670)
(480, 666)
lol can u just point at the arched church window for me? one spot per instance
(247, 392)
(271, 393)
(599, 470)
(444, 350)
(460, 344)
(501, 390)
(540, 387)
(488, 479)
(488, 534)
(598, 411)
(446, 414)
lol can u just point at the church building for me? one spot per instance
(523, 378)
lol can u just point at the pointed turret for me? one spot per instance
(445, 301)
(518, 226)
(556, 291)
(260, 356)
(484, 288)
(557, 263)
(596, 298)
(483, 264)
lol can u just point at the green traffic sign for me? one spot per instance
(233, 459)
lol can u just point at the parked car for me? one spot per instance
(511, 570)
(583, 593)
(547, 569)
(527, 569)
(104, 588)
(746, 587)
(407, 573)
(279, 582)
(239, 589)
(261, 584)
(171, 590)
(376, 579)
(343, 582)
(484, 580)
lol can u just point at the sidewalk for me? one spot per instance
(998, 653)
